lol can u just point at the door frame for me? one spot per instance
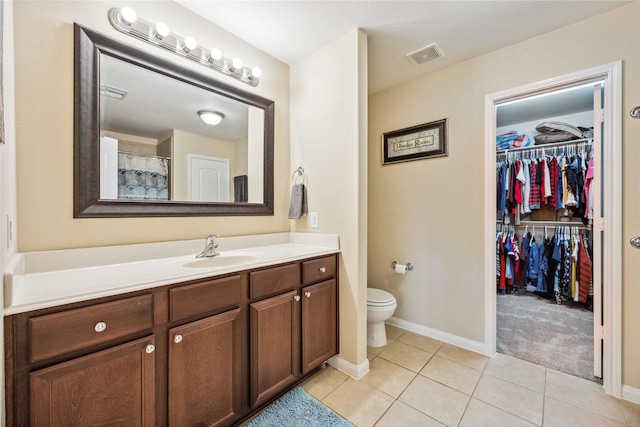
(611, 249)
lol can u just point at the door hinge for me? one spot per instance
(602, 115)
(601, 332)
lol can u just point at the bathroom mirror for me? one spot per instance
(142, 149)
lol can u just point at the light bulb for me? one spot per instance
(128, 15)
(162, 30)
(190, 43)
(216, 54)
(237, 63)
(256, 72)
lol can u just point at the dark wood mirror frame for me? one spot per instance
(88, 46)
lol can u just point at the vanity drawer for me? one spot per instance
(318, 269)
(205, 297)
(59, 333)
(273, 280)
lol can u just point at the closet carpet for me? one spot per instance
(537, 330)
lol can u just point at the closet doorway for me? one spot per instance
(565, 293)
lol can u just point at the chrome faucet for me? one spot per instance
(209, 248)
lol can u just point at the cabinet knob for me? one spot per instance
(307, 294)
(177, 339)
(150, 348)
(322, 269)
(100, 326)
(297, 298)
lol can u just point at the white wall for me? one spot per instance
(328, 139)
(431, 212)
(7, 170)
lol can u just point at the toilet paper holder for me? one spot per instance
(409, 265)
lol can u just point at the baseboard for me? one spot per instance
(354, 371)
(631, 394)
(456, 340)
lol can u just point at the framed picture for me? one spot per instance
(415, 143)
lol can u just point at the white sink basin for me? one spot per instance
(221, 260)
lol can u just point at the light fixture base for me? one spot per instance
(145, 31)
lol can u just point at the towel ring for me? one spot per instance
(298, 172)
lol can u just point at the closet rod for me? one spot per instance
(544, 146)
(548, 224)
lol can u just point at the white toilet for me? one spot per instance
(380, 307)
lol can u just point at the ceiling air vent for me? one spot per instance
(425, 54)
(113, 92)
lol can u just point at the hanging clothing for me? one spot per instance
(553, 185)
(534, 193)
(585, 271)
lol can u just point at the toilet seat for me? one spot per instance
(379, 298)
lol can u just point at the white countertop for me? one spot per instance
(38, 280)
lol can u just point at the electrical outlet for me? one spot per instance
(314, 219)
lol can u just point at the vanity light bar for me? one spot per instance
(126, 21)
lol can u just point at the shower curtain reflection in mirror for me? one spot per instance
(142, 177)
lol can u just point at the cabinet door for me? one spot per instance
(204, 371)
(319, 320)
(113, 387)
(274, 345)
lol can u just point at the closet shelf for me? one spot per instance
(545, 146)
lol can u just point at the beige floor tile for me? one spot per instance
(452, 374)
(406, 356)
(583, 394)
(358, 402)
(393, 332)
(419, 341)
(438, 401)
(324, 382)
(376, 350)
(517, 371)
(480, 414)
(388, 377)
(631, 413)
(402, 415)
(561, 414)
(513, 398)
(460, 355)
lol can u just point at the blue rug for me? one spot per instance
(298, 409)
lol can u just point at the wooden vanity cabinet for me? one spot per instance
(274, 345)
(110, 387)
(319, 324)
(206, 352)
(84, 364)
(294, 332)
(205, 362)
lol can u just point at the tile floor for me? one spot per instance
(418, 381)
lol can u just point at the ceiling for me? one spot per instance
(290, 30)
(551, 104)
(155, 105)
